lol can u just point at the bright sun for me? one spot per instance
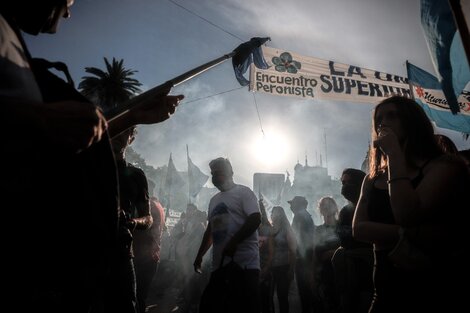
(271, 149)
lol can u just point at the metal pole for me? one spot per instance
(163, 89)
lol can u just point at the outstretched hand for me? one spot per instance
(157, 109)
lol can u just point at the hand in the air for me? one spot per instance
(157, 109)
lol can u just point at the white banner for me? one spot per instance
(291, 74)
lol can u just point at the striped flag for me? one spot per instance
(446, 49)
(427, 91)
(247, 53)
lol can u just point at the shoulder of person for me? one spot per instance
(447, 159)
(137, 173)
(346, 210)
(134, 168)
(347, 207)
(448, 163)
(244, 189)
(307, 218)
(368, 179)
(367, 184)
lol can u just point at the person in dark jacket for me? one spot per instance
(61, 141)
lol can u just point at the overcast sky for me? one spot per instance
(162, 40)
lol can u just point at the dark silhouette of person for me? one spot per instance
(135, 217)
(353, 261)
(266, 290)
(325, 244)
(61, 141)
(146, 245)
(412, 210)
(446, 144)
(304, 229)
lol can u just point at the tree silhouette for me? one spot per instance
(111, 87)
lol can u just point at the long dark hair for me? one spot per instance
(419, 142)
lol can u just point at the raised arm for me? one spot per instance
(153, 110)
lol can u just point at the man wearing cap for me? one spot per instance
(303, 227)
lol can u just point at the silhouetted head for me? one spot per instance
(351, 180)
(409, 122)
(122, 141)
(36, 16)
(327, 207)
(446, 144)
(278, 217)
(465, 155)
(298, 203)
(222, 173)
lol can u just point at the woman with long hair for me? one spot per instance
(412, 198)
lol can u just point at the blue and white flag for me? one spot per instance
(196, 178)
(427, 91)
(247, 53)
(446, 49)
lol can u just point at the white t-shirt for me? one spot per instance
(17, 79)
(228, 211)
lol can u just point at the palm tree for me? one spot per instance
(109, 88)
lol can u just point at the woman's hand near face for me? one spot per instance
(387, 141)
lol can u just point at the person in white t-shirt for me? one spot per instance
(234, 218)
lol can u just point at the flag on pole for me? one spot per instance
(196, 178)
(173, 178)
(427, 91)
(173, 182)
(446, 49)
(268, 204)
(247, 53)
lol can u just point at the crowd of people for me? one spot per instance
(397, 246)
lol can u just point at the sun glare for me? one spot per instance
(271, 149)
